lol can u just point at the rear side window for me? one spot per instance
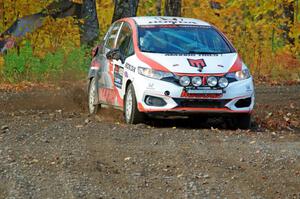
(110, 41)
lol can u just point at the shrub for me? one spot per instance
(23, 65)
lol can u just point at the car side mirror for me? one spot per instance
(115, 54)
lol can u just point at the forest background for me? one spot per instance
(266, 33)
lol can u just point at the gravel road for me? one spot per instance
(51, 148)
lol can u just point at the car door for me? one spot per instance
(105, 82)
(124, 44)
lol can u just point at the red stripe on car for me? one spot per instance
(237, 66)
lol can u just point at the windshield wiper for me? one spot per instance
(151, 51)
(148, 51)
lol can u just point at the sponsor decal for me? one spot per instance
(118, 76)
(191, 55)
(171, 21)
(185, 94)
(198, 63)
(130, 67)
(248, 88)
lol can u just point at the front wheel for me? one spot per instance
(93, 97)
(131, 112)
(244, 121)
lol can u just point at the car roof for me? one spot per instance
(162, 20)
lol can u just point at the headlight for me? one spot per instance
(243, 74)
(155, 74)
(184, 81)
(223, 82)
(196, 81)
(212, 81)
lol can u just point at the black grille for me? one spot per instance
(201, 103)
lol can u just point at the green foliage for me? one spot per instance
(23, 65)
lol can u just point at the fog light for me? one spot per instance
(212, 81)
(243, 103)
(154, 101)
(184, 81)
(196, 81)
(223, 82)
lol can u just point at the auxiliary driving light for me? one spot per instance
(196, 81)
(223, 82)
(212, 81)
(184, 81)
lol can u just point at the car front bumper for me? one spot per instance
(237, 97)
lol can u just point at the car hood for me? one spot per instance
(210, 63)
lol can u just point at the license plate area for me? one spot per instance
(203, 90)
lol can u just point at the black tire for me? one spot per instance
(198, 118)
(93, 102)
(239, 121)
(131, 114)
(243, 121)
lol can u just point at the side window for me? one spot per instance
(124, 42)
(110, 42)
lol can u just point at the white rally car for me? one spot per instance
(169, 66)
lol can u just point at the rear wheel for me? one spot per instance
(93, 97)
(131, 112)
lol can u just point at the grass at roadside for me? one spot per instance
(23, 65)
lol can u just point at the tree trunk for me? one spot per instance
(125, 8)
(173, 8)
(90, 27)
(158, 7)
(288, 14)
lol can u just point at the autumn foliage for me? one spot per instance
(266, 33)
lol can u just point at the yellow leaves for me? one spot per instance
(13, 9)
(105, 10)
(221, 1)
(1, 68)
(77, 1)
(1, 63)
(54, 35)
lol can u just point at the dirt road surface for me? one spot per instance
(51, 148)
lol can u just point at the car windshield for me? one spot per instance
(181, 39)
